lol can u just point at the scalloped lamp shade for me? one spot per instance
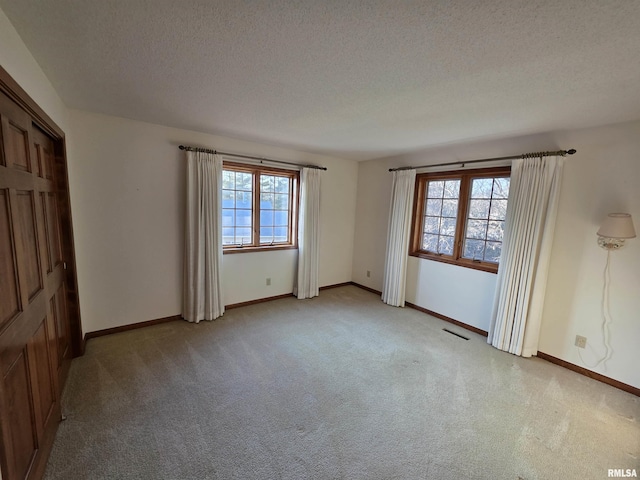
(617, 225)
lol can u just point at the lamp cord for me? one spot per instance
(606, 315)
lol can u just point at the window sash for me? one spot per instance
(256, 209)
(492, 221)
(457, 255)
(281, 217)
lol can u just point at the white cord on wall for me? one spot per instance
(606, 318)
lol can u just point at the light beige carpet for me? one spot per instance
(337, 387)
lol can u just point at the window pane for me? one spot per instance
(227, 236)
(432, 225)
(280, 234)
(243, 181)
(476, 229)
(227, 217)
(267, 183)
(266, 200)
(228, 199)
(474, 249)
(436, 188)
(498, 209)
(228, 179)
(501, 187)
(481, 187)
(450, 208)
(495, 231)
(282, 184)
(243, 199)
(243, 218)
(266, 234)
(434, 207)
(281, 217)
(281, 201)
(430, 242)
(493, 251)
(266, 218)
(243, 235)
(479, 209)
(451, 189)
(445, 245)
(448, 227)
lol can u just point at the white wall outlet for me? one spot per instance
(268, 282)
(581, 342)
(368, 273)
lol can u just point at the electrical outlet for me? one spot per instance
(368, 273)
(581, 342)
(268, 282)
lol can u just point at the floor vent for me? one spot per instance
(454, 333)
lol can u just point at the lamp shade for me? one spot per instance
(617, 225)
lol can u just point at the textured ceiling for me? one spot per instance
(355, 78)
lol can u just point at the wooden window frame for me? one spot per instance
(294, 196)
(465, 177)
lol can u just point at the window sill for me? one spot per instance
(250, 249)
(485, 267)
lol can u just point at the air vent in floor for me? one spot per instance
(454, 333)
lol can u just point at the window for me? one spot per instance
(459, 217)
(258, 207)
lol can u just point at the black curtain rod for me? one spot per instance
(465, 162)
(261, 159)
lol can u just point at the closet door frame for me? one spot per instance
(10, 87)
(33, 383)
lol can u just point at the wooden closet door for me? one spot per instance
(34, 330)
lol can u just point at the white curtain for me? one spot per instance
(308, 234)
(395, 269)
(202, 296)
(522, 277)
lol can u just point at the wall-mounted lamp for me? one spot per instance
(615, 229)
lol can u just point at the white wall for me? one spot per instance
(16, 59)
(128, 206)
(603, 177)
(463, 294)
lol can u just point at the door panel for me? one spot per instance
(17, 146)
(9, 299)
(26, 219)
(62, 325)
(44, 155)
(43, 378)
(52, 339)
(35, 334)
(47, 251)
(53, 222)
(20, 416)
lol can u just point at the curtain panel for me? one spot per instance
(399, 231)
(522, 277)
(306, 285)
(202, 295)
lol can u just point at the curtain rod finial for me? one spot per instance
(571, 151)
(181, 147)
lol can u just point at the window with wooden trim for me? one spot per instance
(459, 217)
(259, 206)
